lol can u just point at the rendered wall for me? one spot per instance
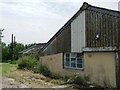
(100, 67)
(55, 65)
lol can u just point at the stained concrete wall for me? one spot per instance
(55, 65)
(100, 67)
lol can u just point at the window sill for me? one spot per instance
(81, 69)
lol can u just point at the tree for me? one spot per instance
(18, 47)
(7, 52)
(11, 50)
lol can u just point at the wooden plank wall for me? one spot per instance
(61, 43)
(119, 31)
(105, 25)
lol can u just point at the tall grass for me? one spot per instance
(27, 62)
(39, 68)
(76, 79)
(6, 68)
(31, 63)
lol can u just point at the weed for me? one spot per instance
(39, 68)
(59, 81)
(27, 62)
(76, 79)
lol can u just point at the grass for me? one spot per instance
(27, 76)
(57, 81)
(6, 68)
(0, 69)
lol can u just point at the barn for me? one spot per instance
(88, 44)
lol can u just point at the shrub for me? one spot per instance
(57, 81)
(31, 63)
(86, 78)
(65, 78)
(27, 62)
(39, 68)
(13, 62)
(76, 79)
(55, 76)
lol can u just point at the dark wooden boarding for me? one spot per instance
(60, 43)
(102, 22)
(98, 21)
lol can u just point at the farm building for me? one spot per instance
(33, 49)
(88, 44)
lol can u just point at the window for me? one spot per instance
(73, 60)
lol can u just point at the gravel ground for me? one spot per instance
(12, 83)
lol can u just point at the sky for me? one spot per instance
(36, 21)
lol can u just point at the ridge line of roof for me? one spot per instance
(85, 6)
(68, 22)
(104, 8)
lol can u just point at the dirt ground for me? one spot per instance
(27, 79)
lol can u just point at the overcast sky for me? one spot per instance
(36, 21)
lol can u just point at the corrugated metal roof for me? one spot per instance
(33, 49)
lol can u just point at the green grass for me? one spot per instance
(0, 69)
(6, 68)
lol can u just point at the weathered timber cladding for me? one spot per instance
(119, 30)
(64, 40)
(104, 24)
(61, 43)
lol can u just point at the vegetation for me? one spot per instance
(58, 81)
(27, 62)
(31, 63)
(7, 52)
(14, 67)
(6, 68)
(39, 68)
(76, 79)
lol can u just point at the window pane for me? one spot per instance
(67, 62)
(79, 66)
(79, 60)
(73, 64)
(73, 55)
(78, 55)
(67, 55)
(73, 60)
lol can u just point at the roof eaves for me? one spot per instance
(84, 7)
(104, 11)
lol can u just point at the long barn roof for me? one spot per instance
(85, 6)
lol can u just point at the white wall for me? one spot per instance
(78, 33)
